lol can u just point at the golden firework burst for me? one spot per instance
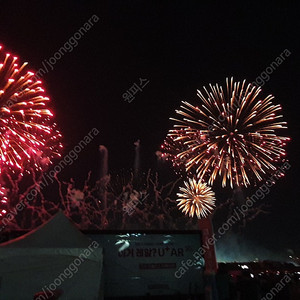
(231, 134)
(196, 198)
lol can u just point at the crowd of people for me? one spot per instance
(244, 283)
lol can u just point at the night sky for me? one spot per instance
(178, 46)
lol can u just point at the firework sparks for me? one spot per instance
(28, 135)
(232, 134)
(196, 198)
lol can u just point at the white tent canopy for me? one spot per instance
(56, 255)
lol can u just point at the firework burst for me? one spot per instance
(196, 198)
(232, 133)
(28, 136)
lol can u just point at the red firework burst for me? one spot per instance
(28, 135)
(29, 139)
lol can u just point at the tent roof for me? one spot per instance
(58, 232)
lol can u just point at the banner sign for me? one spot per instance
(140, 264)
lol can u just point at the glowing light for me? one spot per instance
(231, 134)
(196, 198)
(3, 201)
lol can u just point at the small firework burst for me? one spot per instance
(28, 136)
(231, 134)
(196, 198)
